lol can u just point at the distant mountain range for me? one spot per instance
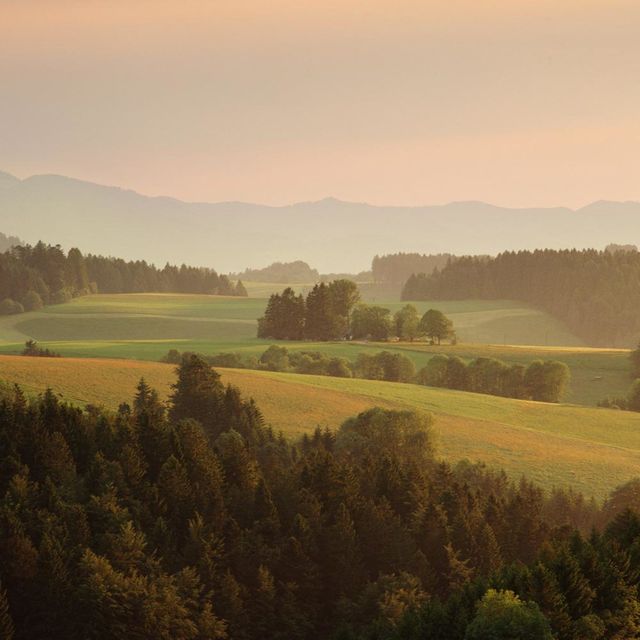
(330, 234)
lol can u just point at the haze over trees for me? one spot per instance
(6, 242)
(595, 293)
(34, 276)
(198, 522)
(296, 272)
(397, 267)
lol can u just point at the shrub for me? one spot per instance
(10, 307)
(32, 301)
(61, 296)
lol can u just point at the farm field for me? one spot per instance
(146, 326)
(590, 449)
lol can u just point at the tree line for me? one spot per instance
(595, 293)
(34, 276)
(542, 381)
(194, 520)
(331, 312)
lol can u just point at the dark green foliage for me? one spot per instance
(595, 293)
(370, 322)
(503, 616)
(407, 323)
(148, 523)
(436, 326)
(32, 301)
(44, 274)
(324, 315)
(9, 307)
(284, 317)
(546, 381)
(393, 367)
(542, 381)
(31, 348)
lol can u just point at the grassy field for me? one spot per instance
(591, 449)
(146, 326)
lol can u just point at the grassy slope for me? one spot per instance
(146, 326)
(591, 449)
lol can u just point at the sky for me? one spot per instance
(514, 102)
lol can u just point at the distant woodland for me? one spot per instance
(596, 293)
(33, 276)
(195, 521)
(397, 267)
(6, 242)
(297, 272)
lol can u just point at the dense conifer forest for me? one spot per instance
(195, 521)
(596, 293)
(34, 276)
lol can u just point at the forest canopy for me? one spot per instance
(596, 293)
(33, 276)
(195, 521)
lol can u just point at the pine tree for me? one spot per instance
(7, 629)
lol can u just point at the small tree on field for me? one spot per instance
(436, 326)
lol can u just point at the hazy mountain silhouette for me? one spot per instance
(332, 235)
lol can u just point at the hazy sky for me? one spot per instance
(516, 102)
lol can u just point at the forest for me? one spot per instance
(34, 276)
(195, 521)
(596, 293)
(397, 267)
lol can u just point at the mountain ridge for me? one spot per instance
(230, 235)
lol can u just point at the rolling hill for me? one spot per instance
(146, 326)
(330, 234)
(591, 449)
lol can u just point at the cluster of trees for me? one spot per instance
(596, 293)
(374, 322)
(397, 267)
(323, 315)
(331, 312)
(31, 277)
(195, 521)
(32, 349)
(297, 272)
(542, 381)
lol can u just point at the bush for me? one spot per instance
(9, 307)
(275, 358)
(32, 301)
(228, 360)
(61, 296)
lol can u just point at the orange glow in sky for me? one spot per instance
(518, 102)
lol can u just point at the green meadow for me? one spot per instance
(591, 449)
(146, 326)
